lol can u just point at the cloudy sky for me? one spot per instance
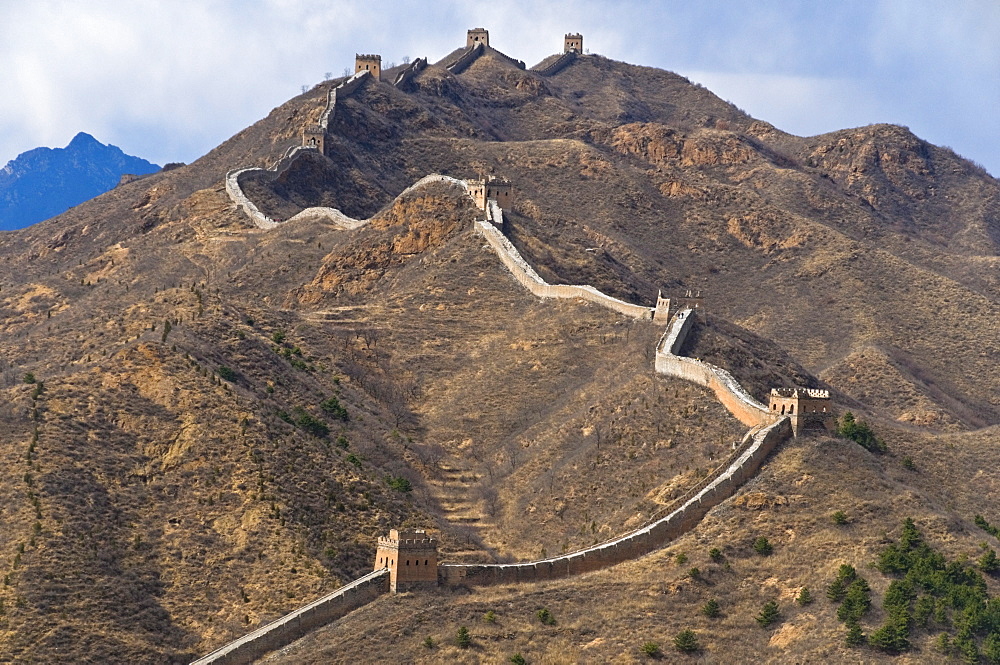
(168, 80)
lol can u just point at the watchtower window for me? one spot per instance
(782, 409)
(791, 408)
(407, 562)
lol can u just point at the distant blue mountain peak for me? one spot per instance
(45, 182)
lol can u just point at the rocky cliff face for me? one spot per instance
(45, 182)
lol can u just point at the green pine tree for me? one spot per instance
(769, 614)
(462, 639)
(686, 641)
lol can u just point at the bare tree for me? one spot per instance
(514, 453)
(347, 71)
(327, 76)
(305, 88)
(484, 460)
(432, 454)
(406, 59)
(490, 498)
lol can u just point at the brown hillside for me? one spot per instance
(166, 490)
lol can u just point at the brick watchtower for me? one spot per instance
(411, 557)
(313, 136)
(807, 408)
(477, 36)
(491, 187)
(573, 43)
(368, 62)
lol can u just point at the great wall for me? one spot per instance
(768, 426)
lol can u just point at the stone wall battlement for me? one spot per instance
(564, 60)
(235, 191)
(292, 626)
(811, 393)
(767, 431)
(467, 58)
(406, 541)
(529, 279)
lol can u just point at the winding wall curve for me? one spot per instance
(726, 388)
(636, 543)
(529, 279)
(235, 191)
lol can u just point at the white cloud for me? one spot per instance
(799, 105)
(170, 79)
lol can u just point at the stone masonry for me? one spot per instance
(314, 136)
(573, 43)
(491, 187)
(371, 63)
(477, 36)
(411, 557)
(807, 408)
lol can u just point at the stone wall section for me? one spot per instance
(338, 219)
(292, 626)
(503, 56)
(467, 58)
(726, 388)
(235, 191)
(742, 466)
(529, 279)
(339, 92)
(409, 72)
(564, 60)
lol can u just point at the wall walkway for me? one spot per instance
(558, 65)
(409, 72)
(529, 279)
(726, 388)
(282, 632)
(714, 490)
(767, 430)
(235, 191)
(466, 59)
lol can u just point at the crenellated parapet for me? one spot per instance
(477, 36)
(368, 62)
(411, 557)
(496, 188)
(808, 408)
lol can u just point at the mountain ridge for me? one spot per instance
(521, 427)
(45, 182)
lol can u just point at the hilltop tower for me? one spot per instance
(491, 187)
(808, 408)
(477, 36)
(573, 42)
(368, 62)
(662, 312)
(667, 307)
(313, 136)
(411, 557)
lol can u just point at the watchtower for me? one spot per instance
(491, 187)
(573, 42)
(667, 307)
(477, 36)
(411, 557)
(370, 63)
(313, 136)
(807, 408)
(662, 312)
